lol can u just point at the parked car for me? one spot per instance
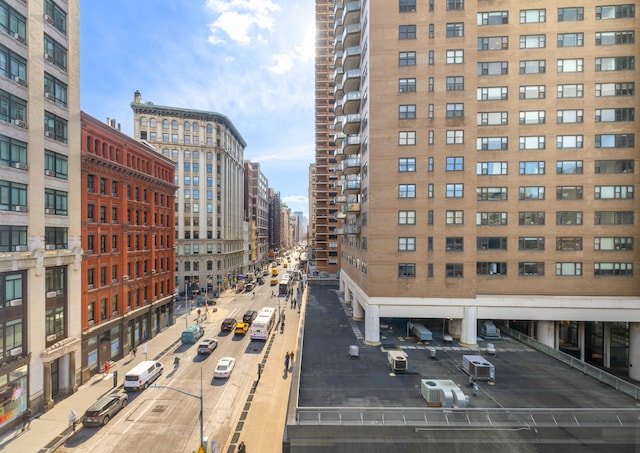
(249, 287)
(229, 324)
(104, 409)
(241, 328)
(249, 316)
(207, 346)
(260, 281)
(224, 368)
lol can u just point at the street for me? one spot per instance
(160, 419)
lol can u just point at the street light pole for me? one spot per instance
(201, 398)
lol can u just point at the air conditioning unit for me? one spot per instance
(50, 247)
(48, 19)
(48, 134)
(47, 172)
(20, 209)
(114, 281)
(48, 57)
(51, 337)
(51, 294)
(16, 351)
(19, 38)
(49, 96)
(15, 302)
(89, 286)
(20, 80)
(48, 211)
(91, 322)
(21, 248)
(20, 166)
(19, 123)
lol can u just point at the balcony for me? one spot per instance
(351, 57)
(338, 139)
(351, 124)
(338, 26)
(352, 80)
(337, 75)
(351, 208)
(351, 102)
(351, 13)
(338, 8)
(351, 166)
(351, 185)
(337, 123)
(340, 199)
(351, 229)
(337, 58)
(339, 154)
(340, 216)
(351, 35)
(338, 91)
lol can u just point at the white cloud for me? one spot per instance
(242, 21)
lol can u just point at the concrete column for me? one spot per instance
(546, 333)
(581, 338)
(606, 346)
(73, 384)
(358, 311)
(469, 335)
(46, 378)
(634, 350)
(454, 327)
(347, 295)
(372, 325)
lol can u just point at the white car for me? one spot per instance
(224, 368)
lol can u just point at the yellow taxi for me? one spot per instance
(274, 281)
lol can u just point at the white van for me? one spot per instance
(143, 374)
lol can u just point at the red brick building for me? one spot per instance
(128, 217)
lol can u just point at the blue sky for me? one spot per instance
(251, 60)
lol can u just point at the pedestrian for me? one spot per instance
(73, 419)
(134, 351)
(26, 419)
(242, 448)
(286, 363)
(291, 356)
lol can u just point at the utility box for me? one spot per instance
(421, 332)
(398, 361)
(478, 368)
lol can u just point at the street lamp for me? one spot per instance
(201, 398)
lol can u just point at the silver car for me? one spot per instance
(104, 409)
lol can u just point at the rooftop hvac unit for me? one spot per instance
(478, 368)
(442, 393)
(488, 330)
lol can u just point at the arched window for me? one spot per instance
(187, 126)
(209, 129)
(152, 122)
(143, 121)
(174, 124)
(195, 127)
(165, 124)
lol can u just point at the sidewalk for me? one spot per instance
(42, 437)
(262, 421)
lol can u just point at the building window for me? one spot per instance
(491, 193)
(55, 52)
(455, 83)
(455, 30)
(455, 164)
(570, 39)
(407, 59)
(615, 12)
(430, 137)
(568, 243)
(569, 116)
(613, 269)
(530, 243)
(455, 56)
(431, 84)
(406, 138)
(491, 218)
(454, 270)
(531, 218)
(533, 41)
(431, 31)
(492, 94)
(493, 18)
(569, 167)
(531, 269)
(493, 43)
(13, 196)
(55, 164)
(615, 64)
(569, 193)
(12, 109)
(55, 16)
(614, 218)
(532, 117)
(454, 217)
(491, 268)
(407, 244)
(532, 168)
(492, 118)
(455, 110)
(491, 168)
(492, 143)
(407, 85)
(430, 111)
(406, 217)
(12, 152)
(569, 218)
(571, 91)
(613, 38)
(614, 166)
(615, 89)
(55, 202)
(407, 270)
(55, 127)
(615, 115)
(569, 141)
(571, 65)
(407, 164)
(55, 89)
(454, 244)
(407, 111)
(531, 192)
(613, 192)
(12, 238)
(407, 32)
(568, 269)
(407, 6)
(532, 142)
(407, 191)
(455, 137)
(493, 68)
(455, 4)
(455, 191)
(622, 244)
(533, 66)
(532, 16)
(491, 243)
(570, 14)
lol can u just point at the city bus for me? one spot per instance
(262, 325)
(285, 285)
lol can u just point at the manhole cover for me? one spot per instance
(159, 408)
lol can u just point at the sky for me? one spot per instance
(250, 60)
